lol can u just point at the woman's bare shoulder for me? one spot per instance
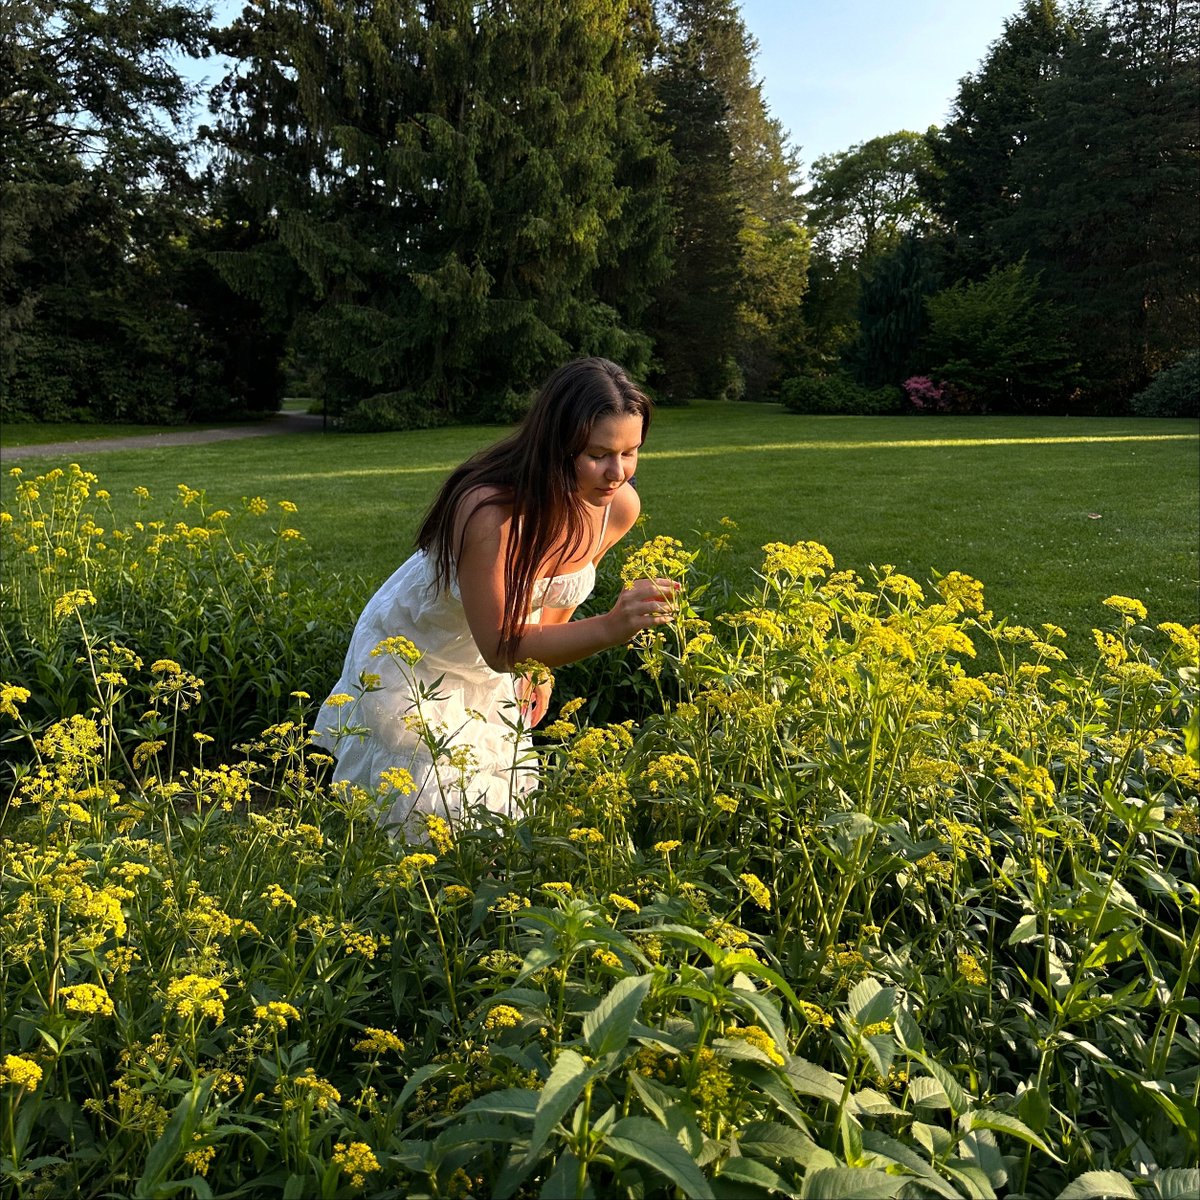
(483, 511)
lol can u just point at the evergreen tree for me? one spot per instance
(1001, 342)
(1107, 180)
(727, 319)
(970, 183)
(892, 313)
(99, 207)
(862, 202)
(470, 194)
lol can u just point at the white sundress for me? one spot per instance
(469, 712)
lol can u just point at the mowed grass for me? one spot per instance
(1052, 514)
(40, 434)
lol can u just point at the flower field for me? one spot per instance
(833, 915)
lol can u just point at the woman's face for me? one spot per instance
(609, 460)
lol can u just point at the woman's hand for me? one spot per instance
(533, 700)
(648, 602)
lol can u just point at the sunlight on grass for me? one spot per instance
(917, 444)
(763, 447)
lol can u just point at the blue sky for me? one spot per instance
(837, 72)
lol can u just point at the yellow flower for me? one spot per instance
(356, 1159)
(502, 1016)
(166, 666)
(455, 893)
(276, 1013)
(961, 593)
(624, 904)
(21, 1071)
(379, 1041)
(72, 602)
(277, 897)
(256, 505)
(563, 889)
(338, 699)
(969, 968)
(440, 833)
(592, 836)
(815, 1015)
(760, 1039)
(607, 958)
(758, 890)
(323, 1092)
(287, 506)
(10, 697)
(397, 647)
(396, 779)
(200, 1159)
(666, 847)
(1127, 607)
(803, 559)
(87, 999)
(197, 996)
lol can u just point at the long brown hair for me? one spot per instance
(533, 470)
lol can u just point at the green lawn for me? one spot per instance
(1053, 514)
(39, 434)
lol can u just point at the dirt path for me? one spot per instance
(282, 423)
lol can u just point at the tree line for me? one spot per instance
(411, 209)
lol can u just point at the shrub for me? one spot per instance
(1174, 391)
(234, 596)
(838, 395)
(836, 920)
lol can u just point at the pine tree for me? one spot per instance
(970, 184)
(98, 207)
(1107, 181)
(728, 316)
(470, 193)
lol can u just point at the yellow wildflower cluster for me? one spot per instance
(379, 1041)
(356, 1159)
(308, 1083)
(396, 779)
(398, 648)
(815, 1015)
(671, 771)
(758, 890)
(659, 558)
(438, 831)
(275, 1014)
(502, 1016)
(970, 970)
(197, 996)
(802, 560)
(87, 999)
(20, 1071)
(760, 1039)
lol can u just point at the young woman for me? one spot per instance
(505, 554)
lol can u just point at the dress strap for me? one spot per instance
(603, 528)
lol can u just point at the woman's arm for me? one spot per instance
(484, 543)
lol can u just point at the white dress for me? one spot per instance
(471, 709)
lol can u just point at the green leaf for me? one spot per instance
(850, 1183)
(536, 960)
(653, 1095)
(1034, 1108)
(568, 1078)
(175, 1138)
(418, 1077)
(810, 1080)
(925, 1092)
(869, 1002)
(1113, 949)
(638, 1138)
(1178, 1183)
(746, 1171)
(768, 1139)
(507, 1102)
(606, 1028)
(998, 1122)
(1026, 929)
(955, 1096)
(885, 1146)
(1097, 1185)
